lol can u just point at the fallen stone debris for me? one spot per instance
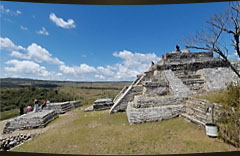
(9, 142)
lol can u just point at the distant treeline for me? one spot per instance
(12, 85)
(21, 82)
(102, 88)
(12, 98)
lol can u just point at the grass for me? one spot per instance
(98, 132)
(88, 96)
(9, 114)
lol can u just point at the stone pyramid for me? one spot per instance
(163, 91)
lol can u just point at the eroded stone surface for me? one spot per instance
(100, 104)
(30, 120)
(60, 107)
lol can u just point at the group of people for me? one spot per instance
(35, 107)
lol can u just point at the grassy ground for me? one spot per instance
(98, 132)
(9, 114)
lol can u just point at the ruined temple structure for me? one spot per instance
(165, 90)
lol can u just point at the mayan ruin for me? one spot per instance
(120, 77)
(164, 91)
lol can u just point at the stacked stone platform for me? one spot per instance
(30, 120)
(75, 104)
(60, 107)
(100, 104)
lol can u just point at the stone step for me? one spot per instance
(192, 81)
(189, 76)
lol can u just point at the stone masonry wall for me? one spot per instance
(141, 101)
(136, 90)
(141, 115)
(30, 120)
(218, 78)
(200, 111)
(176, 84)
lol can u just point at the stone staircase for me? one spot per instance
(124, 94)
(192, 80)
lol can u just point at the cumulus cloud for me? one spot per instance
(23, 28)
(77, 70)
(105, 70)
(6, 43)
(40, 54)
(128, 68)
(8, 11)
(26, 67)
(18, 12)
(43, 31)
(61, 23)
(19, 55)
(34, 51)
(99, 77)
(133, 64)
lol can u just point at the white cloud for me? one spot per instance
(8, 11)
(77, 70)
(18, 12)
(34, 51)
(43, 31)
(26, 67)
(99, 77)
(23, 28)
(6, 43)
(19, 55)
(106, 71)
(40, 54)
(61, 23)
(131, 65)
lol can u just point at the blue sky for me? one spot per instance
(93, 42)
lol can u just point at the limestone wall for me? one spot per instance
(199, 55)
(218, 78)
(60, 107)
(30, 120)
(156, 88)
(141, 101)
(75, 104)
(176, 85)
(141, 115)
(193, 65)
(201, 111)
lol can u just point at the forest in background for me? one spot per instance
(16, 92)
